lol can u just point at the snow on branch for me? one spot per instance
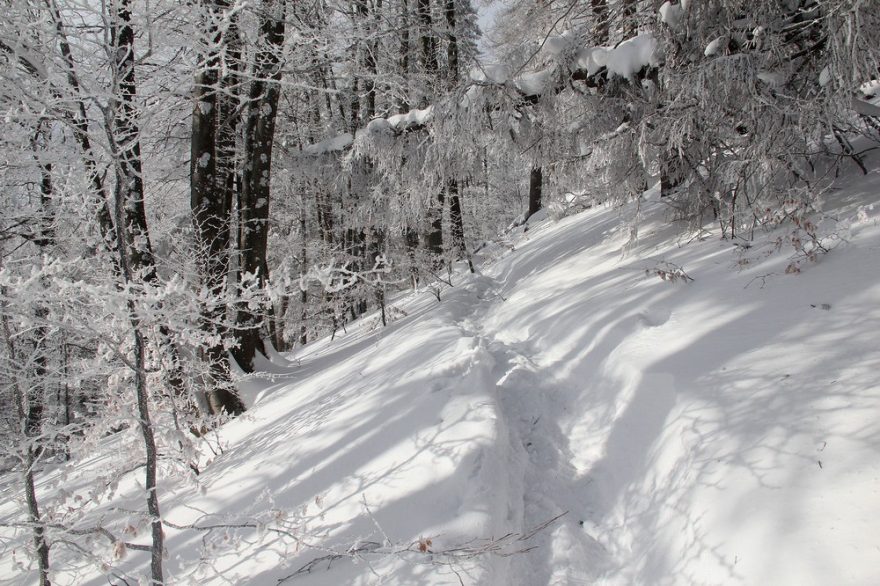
(626, 60)
(334, 144)
(395, 125)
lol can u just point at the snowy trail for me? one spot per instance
(539, 474)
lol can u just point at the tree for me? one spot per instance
(259, 136)
(212, 185)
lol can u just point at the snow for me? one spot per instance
(556, 45)
(772, 78)
(491, 72)
(415, 117)
(722, 431)
(715, 46)
(374, 128)
(534, 84)
(870, 88)
(624, 60)
(591, 59)
(672, 14)
(334, 144)
(629, 57)
(378, 126)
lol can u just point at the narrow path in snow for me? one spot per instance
(541, 481)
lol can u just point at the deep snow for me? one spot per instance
(722, 431)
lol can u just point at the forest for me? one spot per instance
(192, 189)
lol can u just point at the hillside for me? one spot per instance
(715, 431)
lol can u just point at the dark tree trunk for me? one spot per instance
(255, 191)
(457, 224)
(411, 241)
(403, 101)
(304, 294)
(435, 235)
(369, 50)
(130, 212)
(212, 181)
(670, 173)
(536, 186)
(43, 239)
(428, 45)
(45, 231)
(630, 20)
(39, 537)
(452, 47)
(374, 250)
(603, 24)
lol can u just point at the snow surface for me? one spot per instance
(723, 431)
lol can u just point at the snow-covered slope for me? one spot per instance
(720, 431)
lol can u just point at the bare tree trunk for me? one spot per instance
(304, 294)
(536, 187)
(212, 179)
(603, 24)
(135, 252)
(435, 235)
(44, 239)
(22, 407)
(428, 45)
(258, 141)
(403, 101)
(630, 19)
(452, 47)
(411, 241)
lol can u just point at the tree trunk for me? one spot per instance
(603, 24)
(411, 241)
(212, 181)
(452, 47)
(403, 100)
(630, 19)
(255, 190)
(536, 186)
(374, 249)
(457, 225)
(435, 235)
(135, 252)
(22, 409)
(428, 48)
